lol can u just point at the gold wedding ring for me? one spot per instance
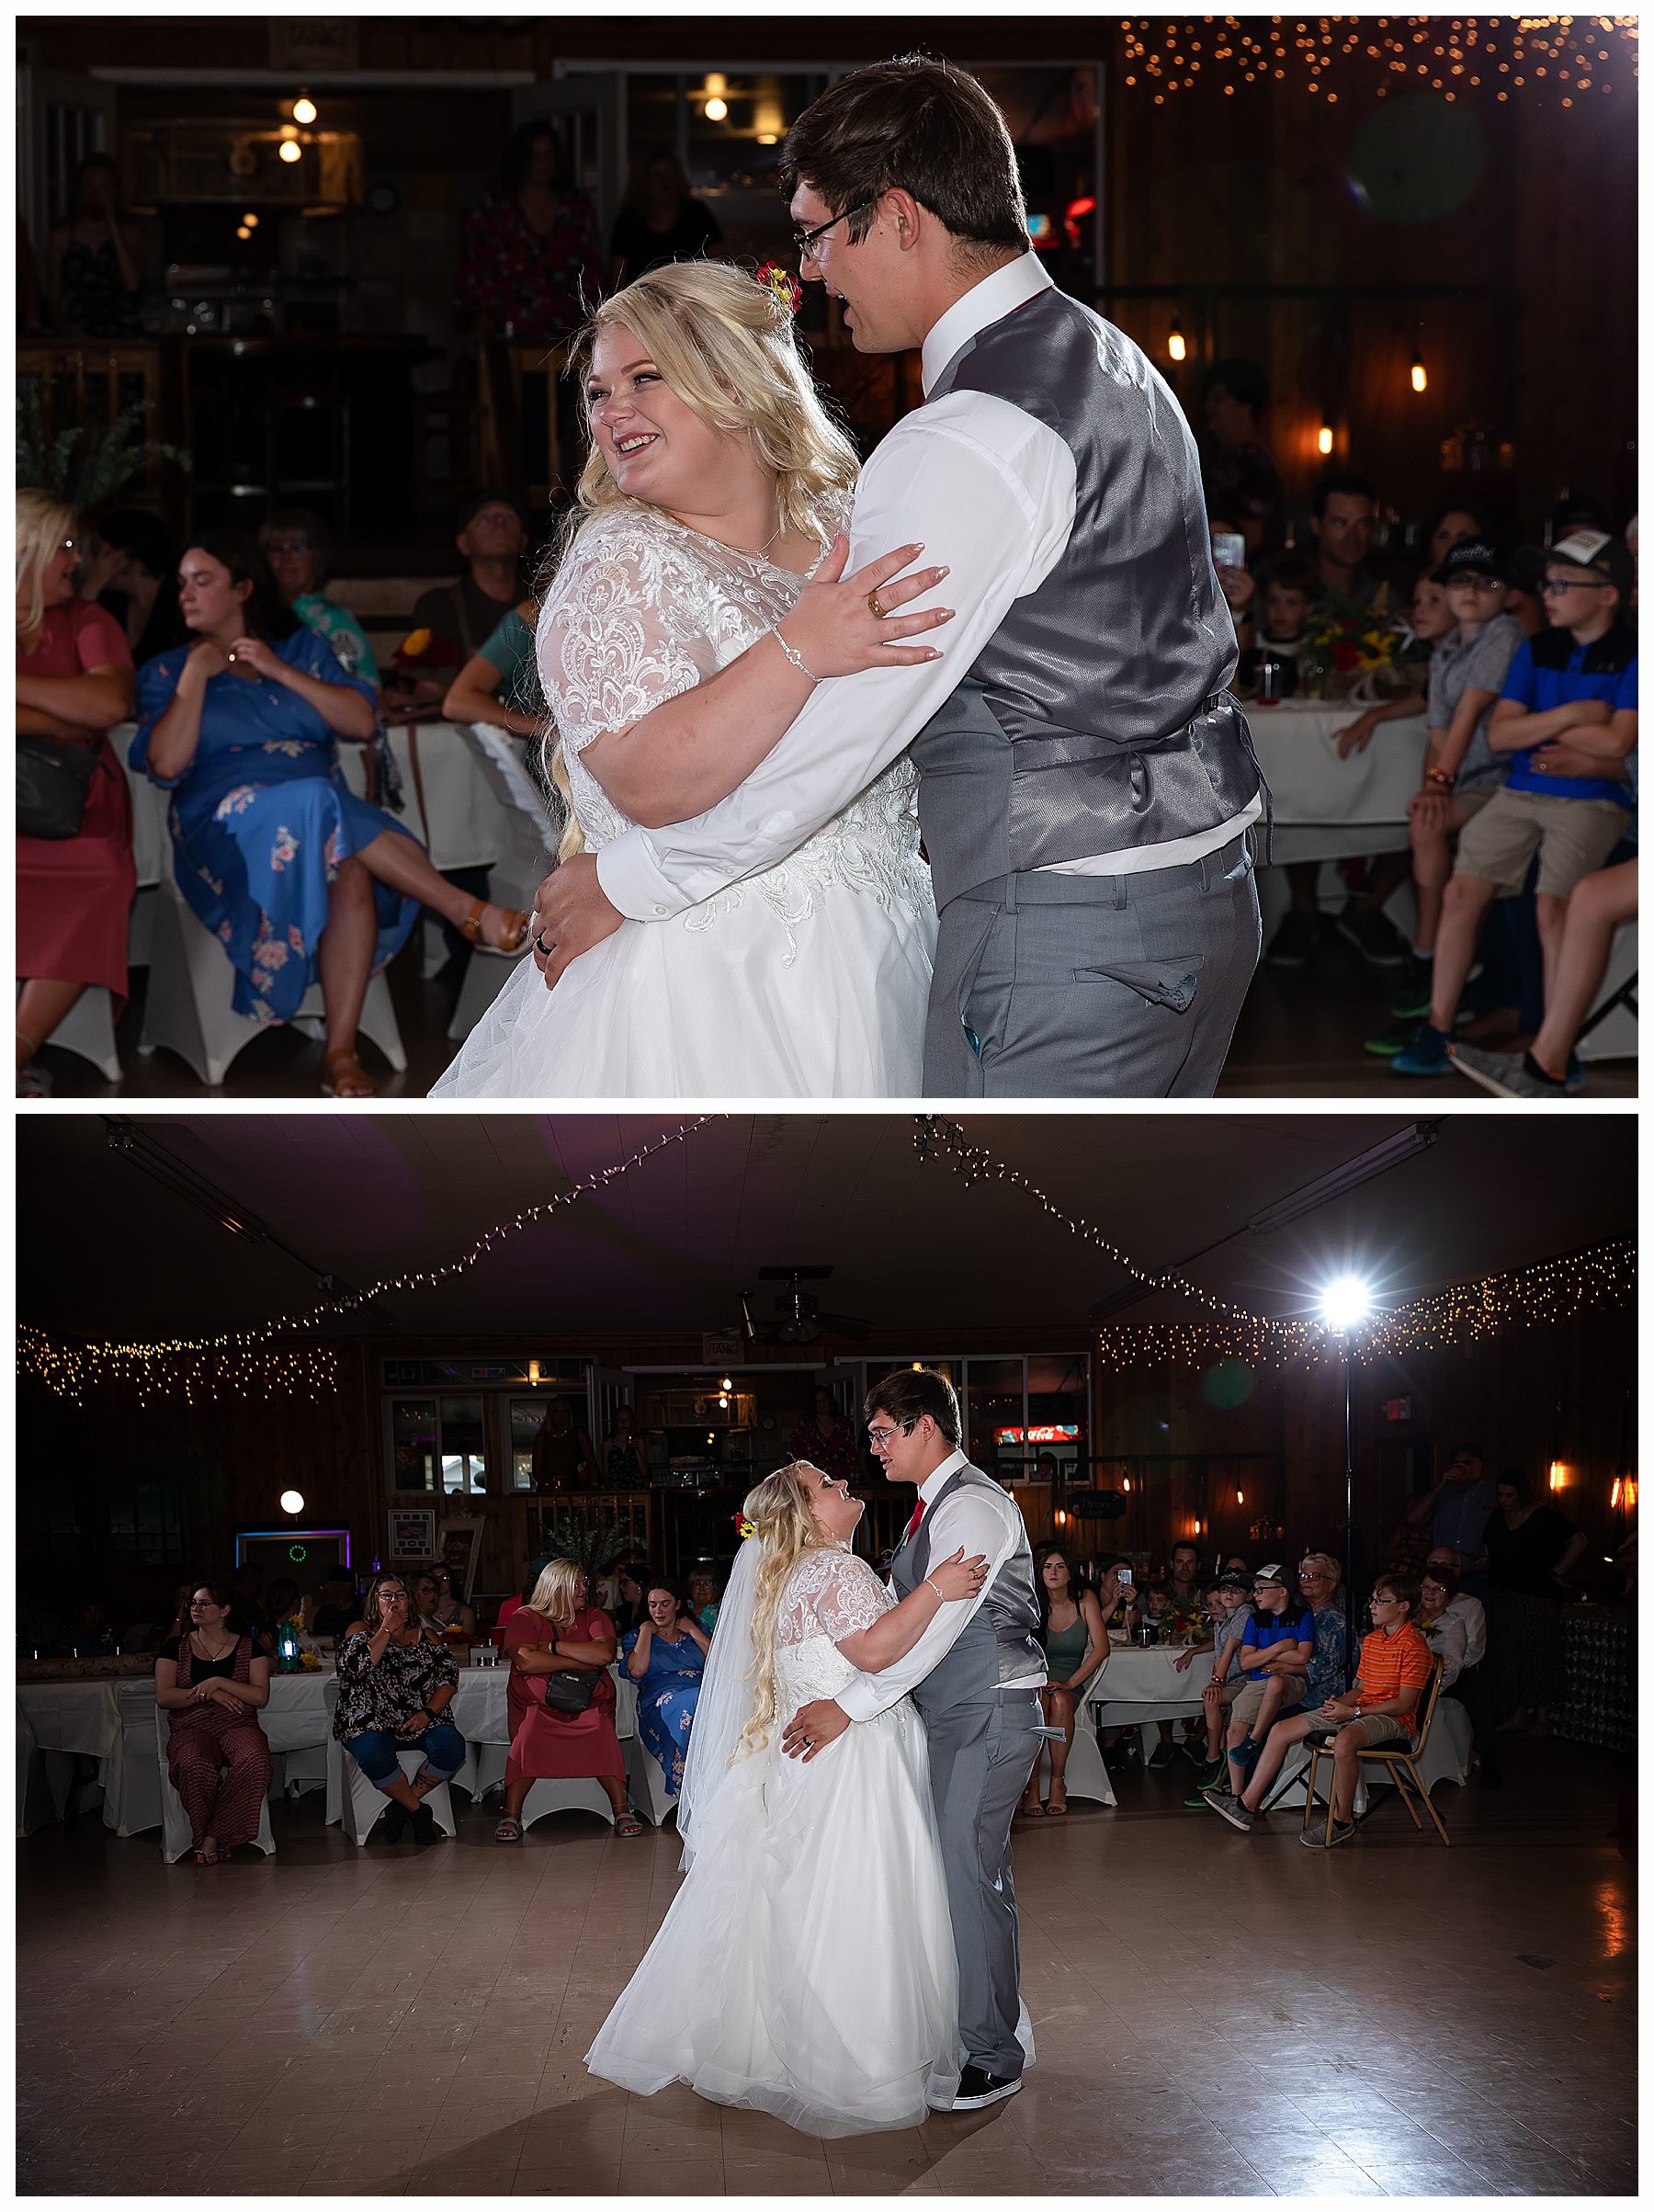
(873, 604)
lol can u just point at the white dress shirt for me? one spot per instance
(1472, 1612)
(981, 1520)
(988, 492)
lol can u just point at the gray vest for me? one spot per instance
(1095, 719)
(1001, 1641)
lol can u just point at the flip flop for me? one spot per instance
(508, 1831)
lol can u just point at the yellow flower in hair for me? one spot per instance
(783, 283)
(744, 1527)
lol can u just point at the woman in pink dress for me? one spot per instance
(75, 683)
(558, 1629)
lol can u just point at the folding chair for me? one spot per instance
(1401, 1759)
(176, 1840)
(88, 1031)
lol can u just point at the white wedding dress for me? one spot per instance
(806, 1967)
(807, 980)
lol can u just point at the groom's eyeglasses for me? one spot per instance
(878, 1436)
(804, 241)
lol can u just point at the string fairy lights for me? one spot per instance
(245, 1362)
(1601, 1277)
(1331, 58)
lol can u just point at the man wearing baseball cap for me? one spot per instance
(1567, 719)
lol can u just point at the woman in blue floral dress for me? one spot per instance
(665, 1658)
(301, 880)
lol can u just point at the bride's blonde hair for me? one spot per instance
(782, 1511)
(725, 345)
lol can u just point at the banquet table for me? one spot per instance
(1328, 809)
(1137, 1688)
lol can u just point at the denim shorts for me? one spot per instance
(375, 1751)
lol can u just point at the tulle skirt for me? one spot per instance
(731, 999)
(806, 1967)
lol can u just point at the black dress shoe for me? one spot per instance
(977, 2088)
(394, 1822)
(425, 1830)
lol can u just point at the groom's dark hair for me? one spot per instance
(911, 125)
(906, 1393)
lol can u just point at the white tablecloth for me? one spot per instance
(1327, 809)
(1137, 1686)
(75, 1716)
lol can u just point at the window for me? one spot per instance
(436, 1443)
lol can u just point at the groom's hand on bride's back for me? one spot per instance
(812, 1728)
(571, 916)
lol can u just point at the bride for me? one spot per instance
(806, 1967)
(699, 599)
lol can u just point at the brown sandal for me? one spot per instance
(346, 1077)
(516, 930)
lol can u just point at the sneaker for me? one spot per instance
(1374, 936)
(1510, 1074)
(1296, 939)
(1163, 1757)
(1411, 1002)
(394, 1822)
(425, 1830)
(1397, 1038)
(1317, 1838)
(978, 2087)
(1427, 1054)
(1230, 1808)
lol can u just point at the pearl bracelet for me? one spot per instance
(799, 664)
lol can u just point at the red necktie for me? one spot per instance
(912, 1527)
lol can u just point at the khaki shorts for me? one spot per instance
(1378, 1727)
(1251, 1697)
(1467, 805)
(1574, 837)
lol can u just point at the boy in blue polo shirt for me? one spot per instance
(1572, 807)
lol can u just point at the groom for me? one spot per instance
(974, 1675)
(1086, 784)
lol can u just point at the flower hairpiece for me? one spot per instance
(744, 1527)
(782, 285)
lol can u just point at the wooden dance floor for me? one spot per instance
(1216, 2014)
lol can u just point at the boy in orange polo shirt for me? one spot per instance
(1381, 1707)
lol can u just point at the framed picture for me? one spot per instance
(412, 1535)
(458, 1544)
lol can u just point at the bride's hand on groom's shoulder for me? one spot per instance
(835, 628)
(571, 916)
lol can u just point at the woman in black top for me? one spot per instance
(213, 1684)
(97, 257)
(659, 220)
(625, 1454)
(1531, 1547)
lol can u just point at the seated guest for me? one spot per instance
(271, 848)
(1572, 809)
(665, 1658)
(422, 1600)
(132, 573)
(74, 885)
(827, 1440)
(1342, 513)
(1239, 586)
(1235, 1564)
(1243, 480)
(338, 1607)
(1117, 1594)
(1380, 1707)
(625, 1454)
(213, 1681)
(1446, 527)
(177, 1623)
(1076, 1645)
(1276, 1646)
(451, 1610)
(493, 538)
(397, 1679)
(246, 1587)
(281, 1603)
(1229, 1608)
(1468, 672)
(499, 684)
(1446, 1604)
(705, 1592)
(558, 1628)
(1320, 1579)
(299, 547)
(91, 1632)
(631, 1607)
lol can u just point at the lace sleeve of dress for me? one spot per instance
(850, 1597)
(610, 648)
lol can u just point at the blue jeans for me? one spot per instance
(375, 1751)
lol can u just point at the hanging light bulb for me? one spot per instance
(1176, 345)
(1419, 379)
(304, 108)
(290, 149)
(1323, 438)
(717, 111)
(1559, 1475)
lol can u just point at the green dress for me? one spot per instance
(1064, 1649)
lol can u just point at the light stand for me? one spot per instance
(1344, 1303)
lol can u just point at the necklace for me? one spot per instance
(747, 552)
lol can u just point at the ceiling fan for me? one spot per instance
(798, 1316)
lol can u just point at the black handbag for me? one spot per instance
(570, 1689)
(54, 780)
